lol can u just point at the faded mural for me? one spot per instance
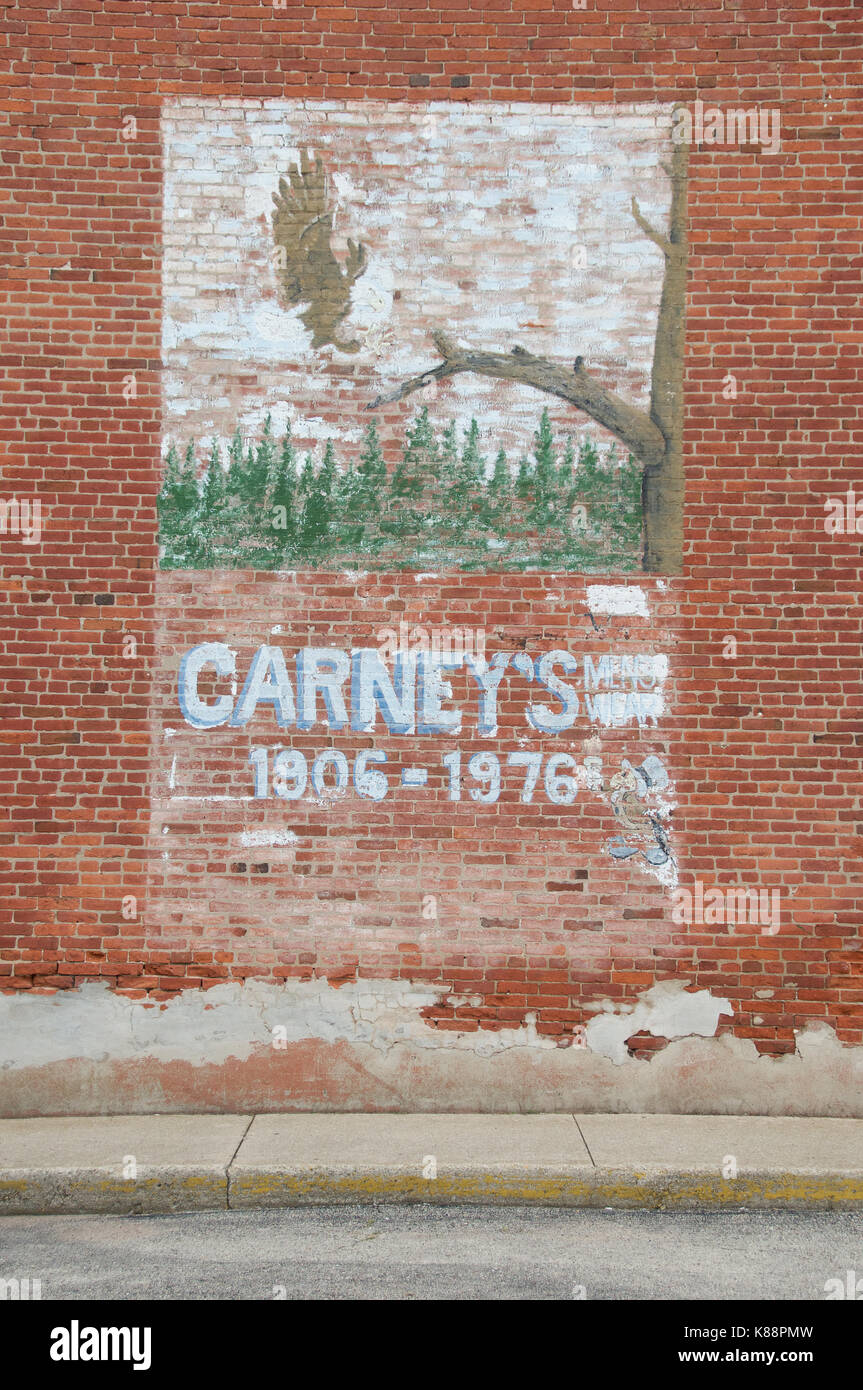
(421, 386)
(401, 337)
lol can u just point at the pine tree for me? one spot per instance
(254, 490)
(625, 519)
(450, 460)
(588, 460)
(524, 479)
(169, 493)
(346, 532)
(174, 511)
(545, 471)
(500, 481)
(307, 476)
(373, 468)
(191, 543)
(500, 494)
(315, 522)
(413, 491)
(209, 513)
(417, 471)
(495, 500)
(363, 495)
(316, 528)
(589, 488)
(264, 468)
(189, 479)
(327, 475)
(472, 461)
(213, 489)
(566, 471)
(464, 495)
(236, 467)
(282, 503)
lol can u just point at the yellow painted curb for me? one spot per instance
(617, 1189)
(48, 1191)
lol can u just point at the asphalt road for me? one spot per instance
(429, 1252)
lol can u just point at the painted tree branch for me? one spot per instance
(578, 387)
(655, 437)
(656, 237)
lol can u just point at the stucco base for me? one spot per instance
(366, 1046)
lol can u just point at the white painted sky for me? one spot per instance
(500, 223)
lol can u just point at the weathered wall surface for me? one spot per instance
(173, 940)
(493, 220)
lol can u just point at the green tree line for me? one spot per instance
(446, 503)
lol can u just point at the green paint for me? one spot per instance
(444, 506)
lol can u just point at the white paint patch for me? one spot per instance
(254, 839)
(211, 798)
(592, 770)
(666, 1010)
(617, 600)
(394, 1054)
(419, 197)
(667, 874)
(234, 1020)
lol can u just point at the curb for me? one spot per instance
(170, 1191)
(620, 1189)
(187, 1163)
(96, 1192)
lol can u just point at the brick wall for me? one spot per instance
(534, 919)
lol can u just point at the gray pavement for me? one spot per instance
(177, 1163)
(408, 1252)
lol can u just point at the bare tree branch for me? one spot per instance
(656, 237)
(416, 383)
(655, 438)
(632, 427)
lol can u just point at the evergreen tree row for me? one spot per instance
(445, 503)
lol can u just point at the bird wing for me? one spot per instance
(302, 227)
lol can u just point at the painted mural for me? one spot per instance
(405, 338)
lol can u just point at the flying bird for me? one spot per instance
(308, 271)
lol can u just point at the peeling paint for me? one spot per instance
(617, 600)
(268, 839)
(231, 1020)
(667, 1010)
(212, 798)
(365, 1046)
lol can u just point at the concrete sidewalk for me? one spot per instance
(172, 1163)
